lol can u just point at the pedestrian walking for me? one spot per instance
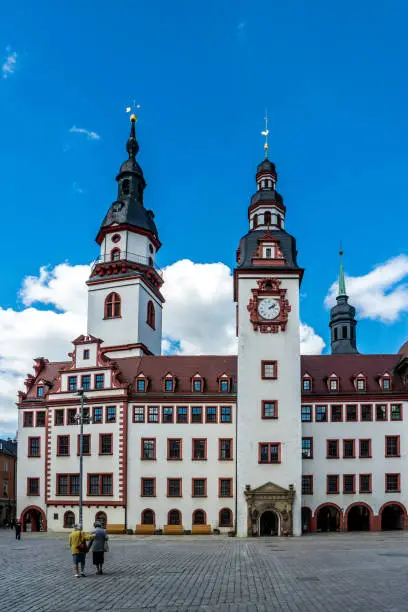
(17, 527)
(99, 546)
(79, 547)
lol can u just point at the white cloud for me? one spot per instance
(381, 294)
(76, 187)
(199, 318)
(88, 134)
(9, 64)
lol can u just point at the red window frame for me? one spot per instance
(353, 456)
(30, 438)
(141, 379)
(220, 440)
(337, 455)
(205, 449)
(186, 413)
(206, 415)
(341, 413)
(194, 521)
(97, 384)
(106, 414)
(386, 413)
(166, 379)
(337, 381)
(36, 418)
(59, 411)
(269, 444)
(369, 456)
(180, 440)
(58, 445)
(400, 417)
(191, 414)
(230, 521)
(40, 394)
(276, 411)
(398, 490)
(26, 414)
(180, 517)
(88, 436)
(142, 494)
(221, 414)
(370, 483)
(353, 476)
(113, 306)
(74, 387)
(115, 254)
(370, 406)
(69, 484)
(93, 415)
(326, 420)
(100, 493)
(327, 484)
(172, 414)
(143, 411)
(85, 354)
(231, 491)
(149, 420)
(226, 379)
(200, 380)
(71, 412)
(110, 435)
(29, 481)
(193, 480)
(273, 363)
(181, 487)
(355, 406)
(142, 457)
(143, 519)
(398, 446)
(364, 379)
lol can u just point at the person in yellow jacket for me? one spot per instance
(77, 542)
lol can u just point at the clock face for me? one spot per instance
(268, 308)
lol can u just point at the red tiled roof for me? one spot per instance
(49, 373)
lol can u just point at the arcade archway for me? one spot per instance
(33, 519)
(269, 523)
(359, 517)
(328, 518)
(306, 520)
(393, 516)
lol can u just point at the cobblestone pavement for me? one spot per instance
(319, 573)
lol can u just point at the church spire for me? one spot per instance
(132, 146)
(342, 320)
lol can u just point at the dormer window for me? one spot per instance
(224, 383)
(141, 383)
(169, 383)
(115, 254)
(385, 382)
(40, 391)
(333, 383)
(361, 383)
(307, 383)
(268, 253)
(197, 384)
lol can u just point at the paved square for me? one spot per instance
(336, 572)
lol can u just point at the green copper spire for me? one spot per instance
(342, 282)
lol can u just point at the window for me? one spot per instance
(199, 449)
(332, 448)
(40, 421)
(111, 414)
(225, 518)
(181, 414)
(269, 370)
(102, 518)
(168, 384)
(112, 306)
(396, 412)
(269, 452)
(86, 444)
(126, 187)
(100, 484)
(307, 485)
(349, 449)
(59, 417)
(115, 256)
(225, 487)
(225, 449)
(386, 384)
(62, 484)
(174, 517)
(255, 220)
(365, 483)
(141, 385)
(105, 444)
(99, 381)
(392, 483)
(148, 517)
(210, 414)
(321, 414)
(167, 414)
(74, 484)
(307, 448)
(148, 488)
(361, 384)
(68, 484)
(226, 414)
(349, 483)
(306, 414)
(69, 519)
(392, 446)
(28, 420)
(196, 414)
(381, 412)
(34, 448)
(72, 383)
(86, 382)
(351, 413)
(199, 487)
(332, 483)
(148, 448)
(72, 413)
(97, 415)
(63, 446)
(138, 414)
(197, 385)
(267, 216)
(151, 315)
(33, 486)
(366, 412)
(365, 449)
(199, 517)
(153, 414)
(344, 331)
(40, 391)
(174, 449)
(85, 354)
(334, 384)
(269, 409)
(336, 414)
(224, 386)
(174, 487)
(307, 384)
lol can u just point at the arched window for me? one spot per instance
(151, 315)
(126, 187)
(148, 517)
(112, 306)
(69, 519)
(115, 254)
(199, 517)
(174, 517)
(225, 518)
(267, 218)
(102, 518)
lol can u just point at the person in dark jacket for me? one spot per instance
(98, 546)
(17, 527)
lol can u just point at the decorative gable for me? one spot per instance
(333, 383)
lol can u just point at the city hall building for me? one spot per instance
(266, 442)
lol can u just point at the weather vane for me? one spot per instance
(132, 109)
(266, 134)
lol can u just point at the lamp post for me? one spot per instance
(80, 419)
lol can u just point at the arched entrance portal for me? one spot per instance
(269, 523)
(306, 520)
(33, 519)
(392, 517)
(328, 519)
(358, 518)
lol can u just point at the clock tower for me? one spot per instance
(266, 290)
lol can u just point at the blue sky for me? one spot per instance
(333, 76)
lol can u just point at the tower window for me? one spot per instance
(255, 220)
(268, 253)
(344, 331)
(279, 221)
(151, 315)
(335, 333)
(126, 187)
(267, 218)
(112, 306)
(115, 254)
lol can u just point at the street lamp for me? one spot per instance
(80, 419)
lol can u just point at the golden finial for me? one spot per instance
(133, 107)
(265, 133)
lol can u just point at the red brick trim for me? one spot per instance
(192, 487)
(88, 504)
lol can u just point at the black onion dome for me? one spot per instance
(266, 166)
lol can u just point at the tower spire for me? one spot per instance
(342, 320)
(265, 133)
(342, 282)
(132, 146)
